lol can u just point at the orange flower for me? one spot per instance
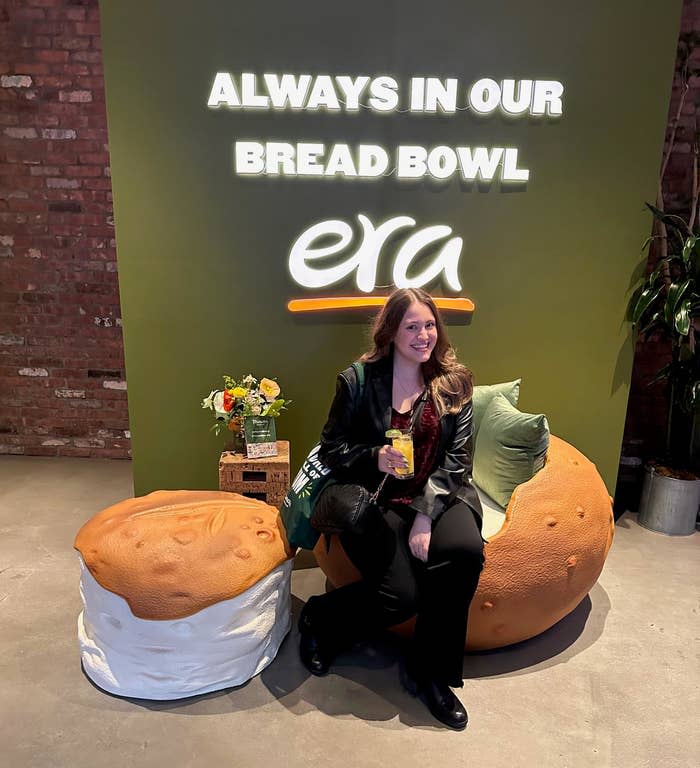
(228, 401)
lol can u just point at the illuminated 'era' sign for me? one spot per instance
(306, 259)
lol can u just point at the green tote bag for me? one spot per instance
(311, 479)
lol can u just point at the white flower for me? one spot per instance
(208, 402)
(218, 402)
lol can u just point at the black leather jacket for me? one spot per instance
(351, 440)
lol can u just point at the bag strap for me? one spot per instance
(359, 368)
(373, 498)
(418, 409)
(360, 373)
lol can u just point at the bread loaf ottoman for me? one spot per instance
(184, 592)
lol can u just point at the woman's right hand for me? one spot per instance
(389, 459)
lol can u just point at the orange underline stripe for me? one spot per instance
(358, 302)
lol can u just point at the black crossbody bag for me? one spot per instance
(350, 507)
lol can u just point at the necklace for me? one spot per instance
(409, 393)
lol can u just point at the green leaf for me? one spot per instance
(656, 274)
(632, 303)
(688, 251)
(661, 374)
(682, 318)
(649, 328)
(647, 297)
(672, 221)
(276, 407)
(638, 274)
(674, 296)
(648, 240)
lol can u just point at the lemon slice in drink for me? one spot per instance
(392, 433)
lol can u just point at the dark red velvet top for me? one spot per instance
(426, 438)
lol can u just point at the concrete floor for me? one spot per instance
(617, 683)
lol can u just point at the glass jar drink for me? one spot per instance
(404, 443)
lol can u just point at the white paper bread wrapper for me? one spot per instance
(220, 646)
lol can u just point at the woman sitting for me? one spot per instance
(422, 555)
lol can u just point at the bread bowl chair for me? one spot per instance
(544, 559)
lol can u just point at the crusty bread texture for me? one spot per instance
(171, 553)
(550, 551)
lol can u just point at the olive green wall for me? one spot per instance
(202, 252)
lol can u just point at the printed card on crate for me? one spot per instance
(260, 436)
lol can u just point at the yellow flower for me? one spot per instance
(238, 392)
(270, 389)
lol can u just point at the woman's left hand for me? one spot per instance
(419, 537)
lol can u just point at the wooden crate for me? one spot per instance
(266, 478)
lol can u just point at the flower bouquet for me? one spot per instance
(238, 400)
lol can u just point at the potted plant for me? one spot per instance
(666, 304)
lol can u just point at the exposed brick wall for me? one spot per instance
(647, 412)
(62, 384)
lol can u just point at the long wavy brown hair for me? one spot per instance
(449, 382)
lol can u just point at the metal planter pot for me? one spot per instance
(669, 505)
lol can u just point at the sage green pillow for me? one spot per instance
(512, 447)
(484, 394)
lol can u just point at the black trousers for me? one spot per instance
(397, 586)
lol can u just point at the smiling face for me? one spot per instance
(416, 335)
